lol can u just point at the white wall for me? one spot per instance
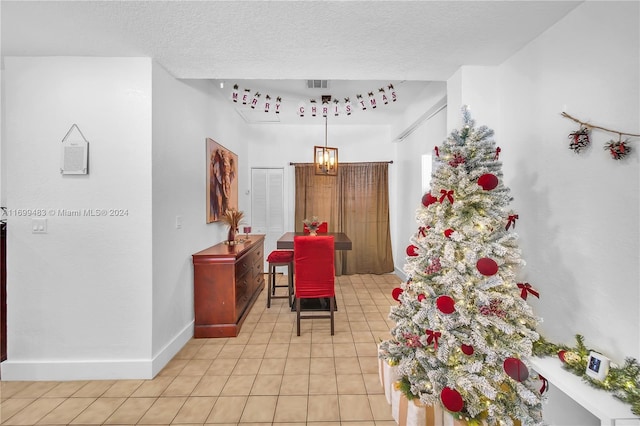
(78, 296)
(578, 212)
(409, 190)
(185, 112)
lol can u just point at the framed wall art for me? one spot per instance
(222, 180)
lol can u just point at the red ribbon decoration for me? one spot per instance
(526, 288)
(512, 220)
(437, 152)
(497, 153)
(432, 336)
(423, 230)
(446, 194)
(545, 384)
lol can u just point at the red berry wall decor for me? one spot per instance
(618, 150)
(579, 139)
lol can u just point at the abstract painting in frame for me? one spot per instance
(222, 180)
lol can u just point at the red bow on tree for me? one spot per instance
(526, 288)
(432, 336)
(423, 230)
(446, 194)
(497, 153)
(511, 220)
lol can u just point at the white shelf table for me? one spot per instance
(602, 404)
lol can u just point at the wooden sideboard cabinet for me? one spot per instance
(227, 281)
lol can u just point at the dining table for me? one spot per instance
(341, 240)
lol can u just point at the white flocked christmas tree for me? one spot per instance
(464, 328)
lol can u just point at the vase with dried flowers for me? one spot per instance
(232, 218)
(312, 224)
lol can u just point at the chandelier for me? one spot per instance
(325, 158)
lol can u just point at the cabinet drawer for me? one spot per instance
(244, 265)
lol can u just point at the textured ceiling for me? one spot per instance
(284, 40)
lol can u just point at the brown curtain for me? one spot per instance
(355, 202)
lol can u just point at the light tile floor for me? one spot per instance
(265, 376)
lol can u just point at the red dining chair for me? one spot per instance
(314, 274)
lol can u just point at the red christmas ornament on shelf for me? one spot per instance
(487, 267)
(448, 232)
(451, 399)
(561, 355)
(428, 199)
(396, 292)
(412, 250)
(467, 349)
(446, 304)
(516, 369)
(488, 181)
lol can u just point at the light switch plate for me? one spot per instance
(39, 226)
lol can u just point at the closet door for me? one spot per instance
(267, 206)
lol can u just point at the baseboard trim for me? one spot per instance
(401, 274)
(96, 369)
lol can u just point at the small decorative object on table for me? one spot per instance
(232, 218)
(247, 230)
(312, 224)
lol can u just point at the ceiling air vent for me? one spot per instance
(317, 84)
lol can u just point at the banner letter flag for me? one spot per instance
(234, 93)
(245, 96)
(363, 106)
(336, 107)
(278, 102)
(301, 109)
(267, 103)
(254, 101)
(325, 109)
(313, 107)
(385, 100)
(393, 92)
(347, 106)
(372, 100)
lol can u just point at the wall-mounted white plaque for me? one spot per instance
(74, 155)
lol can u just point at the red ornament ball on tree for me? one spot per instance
(487, 266)
(488, 181)
(446, 304)
(467, 349)
(396, 292)
(412, 250)
(448, 232)
(428, 199)
(451, 399)
(516, 369)
(421, 297)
